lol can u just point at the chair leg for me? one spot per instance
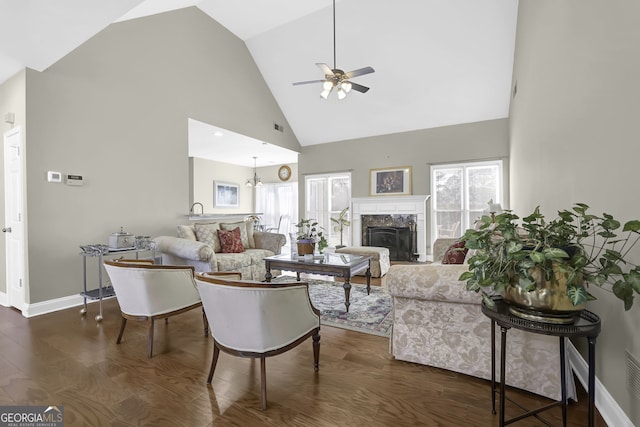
(150, 339)
(316, 351)
(263, 381)
(206, 323)
(123, 323)
(214, 362)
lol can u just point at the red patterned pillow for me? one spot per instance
(455, 253)
(231, 241)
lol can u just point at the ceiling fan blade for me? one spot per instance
(307, 82)
(325, 69)
(359, 72)
(359, 88)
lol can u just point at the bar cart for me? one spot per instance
(100, 251)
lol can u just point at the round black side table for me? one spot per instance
(587, 325)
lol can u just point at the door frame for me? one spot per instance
(17, 268)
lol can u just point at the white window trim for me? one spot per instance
(347, 237)
(465, 208)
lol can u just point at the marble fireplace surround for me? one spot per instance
(391, 205)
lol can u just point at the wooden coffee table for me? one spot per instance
(338, 265)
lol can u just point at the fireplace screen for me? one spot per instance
(394, 232)
(399, 241)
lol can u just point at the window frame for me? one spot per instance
(324, 220)
(465, 212)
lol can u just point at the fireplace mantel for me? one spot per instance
(391, 205)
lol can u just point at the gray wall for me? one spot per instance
(574, 138)
(205, 172)
(418, 149)
(115, 110)
(12, 100)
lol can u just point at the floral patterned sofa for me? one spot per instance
(201, 246)
(437, 322)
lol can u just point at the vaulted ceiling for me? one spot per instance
(437, 62)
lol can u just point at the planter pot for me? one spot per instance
(306, 247)
(547, 303)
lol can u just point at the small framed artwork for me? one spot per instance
(225, 195)
(391, 181)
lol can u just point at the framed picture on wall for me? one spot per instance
(391, 181)
(225, 195)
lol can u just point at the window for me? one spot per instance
(276, 201)
(326, 196)
(460, 194)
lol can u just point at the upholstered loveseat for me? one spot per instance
(200, 245)
(437, 322)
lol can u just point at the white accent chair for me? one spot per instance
(147, 292)
(258, 320)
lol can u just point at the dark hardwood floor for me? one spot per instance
(65, 359)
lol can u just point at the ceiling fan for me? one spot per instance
(336, 78)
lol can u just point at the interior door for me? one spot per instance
(13, 228)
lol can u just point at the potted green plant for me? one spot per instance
(547, 266)
(309, 233)
(340, 223)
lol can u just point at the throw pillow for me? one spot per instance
(207, 233)
(230, 241)
(187, 232)
(455, 253)
(244, 235)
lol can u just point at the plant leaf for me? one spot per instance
(513, 247)
(609, 223)
(555, 253)
(633, 279)
(577, 294)
(537, 257)
(613, 256)
(624, 292)
(466, 276)
(580, 261)
(632, 226)
(581, 208)
(612, 269)
(488, 301)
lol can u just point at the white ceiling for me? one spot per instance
(437, 62)
(212, 142)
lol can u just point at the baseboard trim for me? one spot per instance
(611, 412)
(4, 299)
(57, 304)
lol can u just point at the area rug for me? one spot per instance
(370, 314)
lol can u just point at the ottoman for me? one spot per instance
(379, 258)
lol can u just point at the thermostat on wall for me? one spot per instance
(74, 180)
(54, 176)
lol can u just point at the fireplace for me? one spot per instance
(399, 240)
(397, 212)
(394, 232)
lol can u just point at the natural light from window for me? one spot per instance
(326, 196)
(460, 194)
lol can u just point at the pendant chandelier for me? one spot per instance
(255, 181)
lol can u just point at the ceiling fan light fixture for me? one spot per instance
(335, 77)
